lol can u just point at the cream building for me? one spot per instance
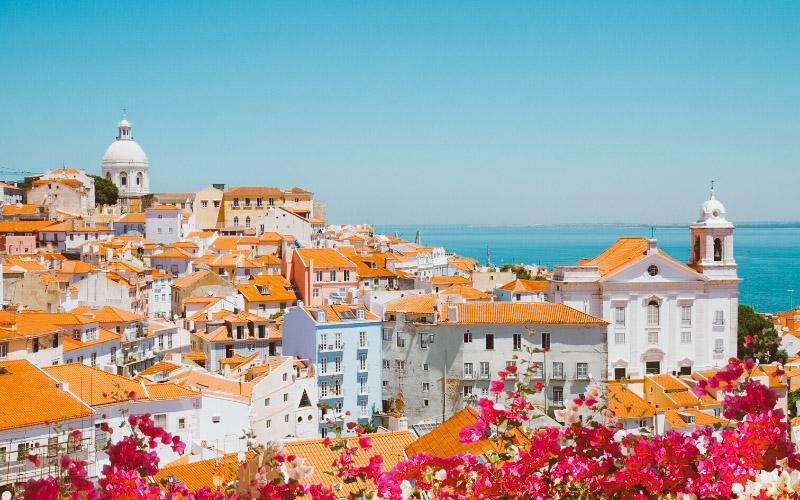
(664, 316)
(125, 164)
(207, 203)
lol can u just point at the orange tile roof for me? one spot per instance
(80, 226)
(324, 257)
(519, 312)
(338, 312)
(623, 252)
(627, 404)
(23, 208)
(173, 253)
(159, 367)
(198, 474)
(24, 226)
(109, 314)
(31, 397)
(103, 336)
(454, 279)
(389, 445)
(133, 218)
(24, 324)
(189, 279)
(274, 288)
(442, 440)
(168, 390)
(525, 286)
(94, 386)
(683, 398)
(668, 382)
(700, 418)
(163, 207)
(196, 356)
(414, 304)
(466, 291)
(225, 243)
(208, 383)
(75, 267)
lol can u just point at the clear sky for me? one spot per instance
(422, 112)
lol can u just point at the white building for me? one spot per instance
(125, 164)
(664, 316)
(163, 224)
(161, 295)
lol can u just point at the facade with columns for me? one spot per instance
(125, 164)
(664, 316)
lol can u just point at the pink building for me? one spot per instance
(320, 274)
(15, 245)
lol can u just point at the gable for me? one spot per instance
(669, 271)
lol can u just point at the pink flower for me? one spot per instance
(497, 386)
(365, 442)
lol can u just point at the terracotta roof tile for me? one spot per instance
(525, 286)
(415, 304)
(466, 292)
(519, 312)
(627, 404)
(324, 257)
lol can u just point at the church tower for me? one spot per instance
(712, 242)
(126, 165)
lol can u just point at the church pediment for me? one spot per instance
(654, 268)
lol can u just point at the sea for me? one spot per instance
(767, 254)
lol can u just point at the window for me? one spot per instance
(423, 341)
(558, 370)
(113, 355)
(251, 347)
(426, 387)
(337, 340)
(236, 202)
(619, 373)
(425, 367)
(511, 373)
(160, 420)
(719, 318)
(582, 371)
(346, 275)
(362, 385)
(652, 367)
(468, 370)
(337, 363)
(362, 362)
(3, 456)
(94, 360)
(285, 397)
(467, 391)
(286, 418)
(489, 341)
(517, 341)
(333, 275)
(425, 403)
(363, 409)
(22, 451)
(362, 339)
(55, 340)
(387, 334)
(337, 390)
(323, 366)
(271, 201)
(323, 389)
(685, 370)
(259, 202)
(3, 349)
(216, 203)
(401, 339)
(285, 377)
(246, 222)
(484, 369)
(262, 331)
(686, 338)
(558, 396)
(717, 250)
(545, 340)
(181, 423)
(240, 332)
(653, 313)
(652, 337)
(718, 346)
(536, 370)
(323, 341)
(316, 293)
(247, 202)
(236, 221)
(204, 203)
(52, 442)
(652, 270)
(387, 364)
(269, 423)
(467, 338)
(686, 315)
(619, 316)
(619, 337)
(399, 364)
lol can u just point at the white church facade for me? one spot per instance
(126, 165)
(663, 316)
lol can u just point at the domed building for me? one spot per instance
(125, 164)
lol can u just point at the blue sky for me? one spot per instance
(423, 112)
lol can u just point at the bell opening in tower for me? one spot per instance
(717, 250)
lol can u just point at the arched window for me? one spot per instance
(653, 313)
(123, 179)
(717, 250)
(108, 176)
(139, 179)
(247, 222)
(236, 221)
(697, 249)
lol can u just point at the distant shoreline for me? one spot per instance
(751, 225)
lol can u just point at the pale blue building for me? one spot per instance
(344, 342)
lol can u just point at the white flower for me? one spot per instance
(567, 416)
(406, 489)
(298, 471)
(440, 475)
(592, 391)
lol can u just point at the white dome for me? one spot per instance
(124, 123)
(712, 214)
(124, 153)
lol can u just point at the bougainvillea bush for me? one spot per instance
(752, 457)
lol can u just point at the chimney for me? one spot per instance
(74, 224)
(210, 315)
(652, 246)
(452, 313)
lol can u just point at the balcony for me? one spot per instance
(330, 347)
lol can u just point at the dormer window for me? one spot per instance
(322, 316)
(240, 332)
(359, 313)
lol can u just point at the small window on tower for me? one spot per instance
(717, 250)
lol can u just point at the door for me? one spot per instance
(229, 351)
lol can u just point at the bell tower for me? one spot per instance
(712, 241)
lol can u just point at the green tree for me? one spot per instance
(521, 272)
(105, 192)
(757, 337)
